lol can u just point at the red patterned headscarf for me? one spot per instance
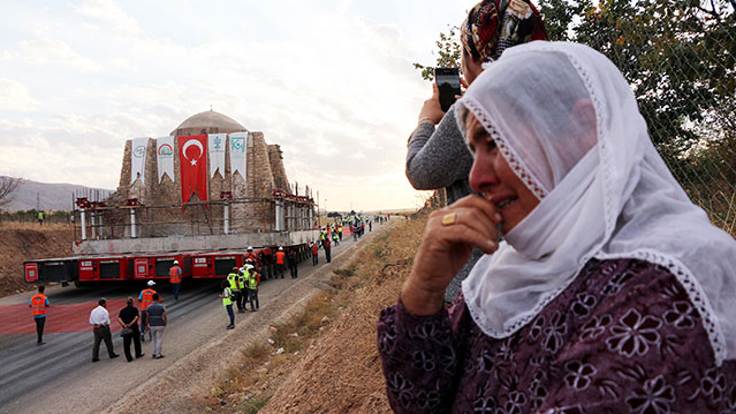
(494, 25)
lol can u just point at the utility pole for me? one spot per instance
(38, 201)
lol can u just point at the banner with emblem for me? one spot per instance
(138, 149)
(238, 160)
(193, 162)
(165, 157)
(216, 144)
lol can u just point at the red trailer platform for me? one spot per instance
(105, 268)
(157, 266)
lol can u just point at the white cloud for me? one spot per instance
(50, 54)
(109, 15)
(14, 96)
(334, 88)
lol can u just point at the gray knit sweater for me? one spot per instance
(439, 158)
(436, 158)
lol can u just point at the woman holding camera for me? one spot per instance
(437, 156)
(611, 291)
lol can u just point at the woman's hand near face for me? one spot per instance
(446, 248)
(431, 110)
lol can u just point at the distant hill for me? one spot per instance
(50, 196)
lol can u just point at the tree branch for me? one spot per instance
(7, 186)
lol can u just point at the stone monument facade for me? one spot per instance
(160, 211)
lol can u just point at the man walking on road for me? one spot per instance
(242, 283)
(326, 245)
(128, 319)
(315, 254)
(227, 302)
(175, 279)
(99, 318)
(293, 262)
(280, 262)
(232, 281)
(253, 280)
(157, 321)
(38, 305)
(335, 239)
(267, 262)
(145, 298)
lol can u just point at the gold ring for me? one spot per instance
(449, 219)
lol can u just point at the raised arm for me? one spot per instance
(437, 157)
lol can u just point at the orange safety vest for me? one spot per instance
(280, 255)
(175, 274)
(38, 304)
(146, 298)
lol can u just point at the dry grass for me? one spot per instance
(330, 362)
(25, 225)
(21, 241)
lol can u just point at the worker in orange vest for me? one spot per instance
(280, 262)
(251, 255)
(38, 305)
(175, 279)
(145, 299)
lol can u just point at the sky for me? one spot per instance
(332, 82)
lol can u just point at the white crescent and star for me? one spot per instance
(188, 144)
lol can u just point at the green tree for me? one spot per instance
(448, 53)
(679, 57)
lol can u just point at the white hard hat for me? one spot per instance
(175, 262)
(281, 248)
(249, 266)
(151, 283)
(250, 247)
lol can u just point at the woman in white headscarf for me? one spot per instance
(611, 291)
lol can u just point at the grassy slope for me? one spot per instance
(329, 362)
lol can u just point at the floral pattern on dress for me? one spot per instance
(656, 397)
(622, 339)
(634, 334)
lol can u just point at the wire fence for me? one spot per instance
(680, 59)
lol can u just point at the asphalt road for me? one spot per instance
(57, 375)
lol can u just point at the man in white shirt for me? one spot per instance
(99, 318)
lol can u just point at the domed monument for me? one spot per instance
(207, 122)
(210, 176)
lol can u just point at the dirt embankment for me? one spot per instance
(23, 241)
(326, 359)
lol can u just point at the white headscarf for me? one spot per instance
(567, 123)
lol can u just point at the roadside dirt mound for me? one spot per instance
(23, 241)
(341, 371)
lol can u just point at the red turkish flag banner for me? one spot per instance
(193, 166)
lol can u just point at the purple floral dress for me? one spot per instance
(622, 338)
